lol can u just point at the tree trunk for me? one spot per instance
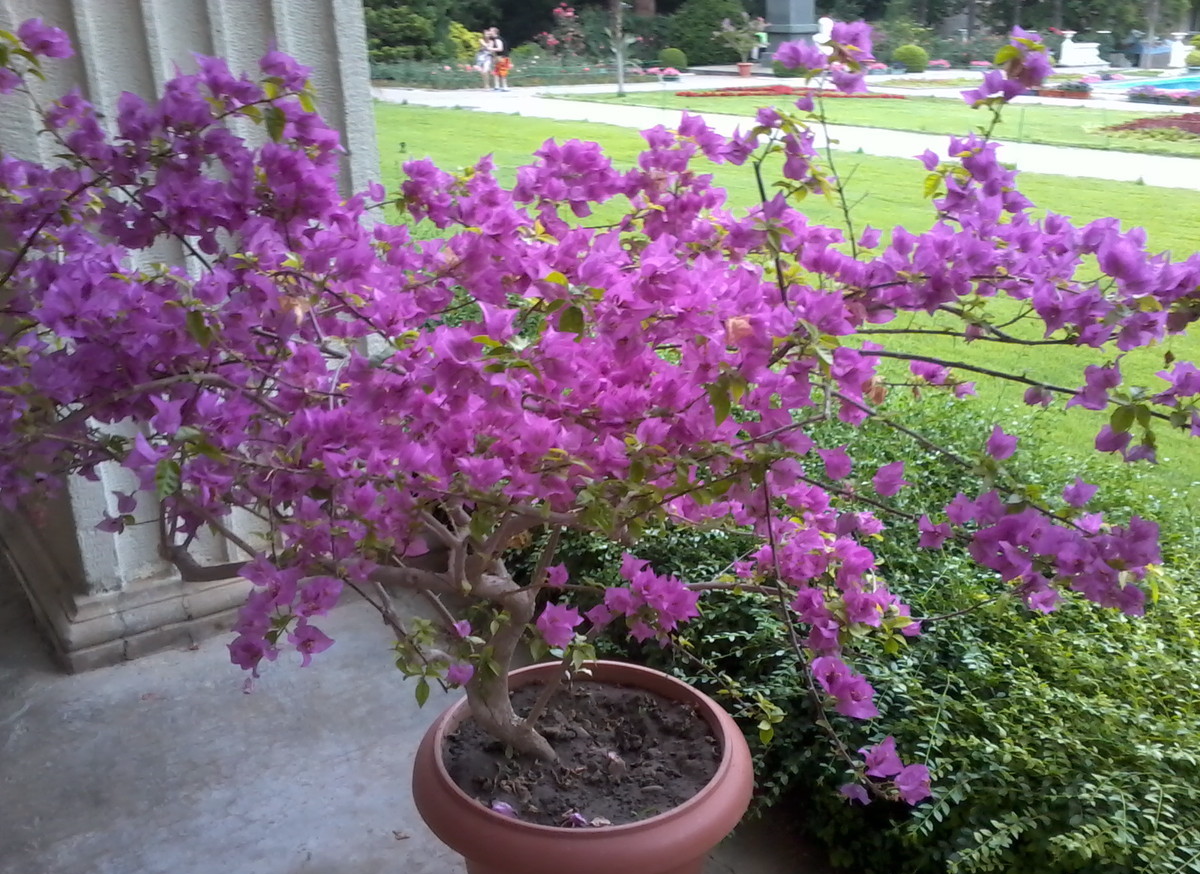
(487, 693)
(645, 8)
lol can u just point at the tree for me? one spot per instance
(400, 412)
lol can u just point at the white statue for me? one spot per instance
(824, 34)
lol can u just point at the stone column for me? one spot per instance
(102, 598)
(790, 20)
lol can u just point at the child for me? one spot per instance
(503, 68)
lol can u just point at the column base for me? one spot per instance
(92, 631)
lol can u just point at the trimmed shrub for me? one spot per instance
(912, 57)
(671, 57)
(691, 30)
(1193, 59)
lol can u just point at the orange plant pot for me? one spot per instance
(675, 842)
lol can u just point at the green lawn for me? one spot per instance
(1023, 123)
(886, 192)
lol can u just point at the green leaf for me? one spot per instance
(571, 320)
(275, 122)
(932, 183)
(557, 278)
(422, 692)
(1122, 419)
(307, 101)
(197, 326)
(718, 396)
(1006, 54)
(166, 478)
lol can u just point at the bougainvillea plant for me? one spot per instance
(395, 409)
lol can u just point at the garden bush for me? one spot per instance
(912, 57)
(891, 33)
(396, 33)
(691, 30)
(1193, 58)
(1054, 743)
(672, 57)
(960, 53)
(783, 72)
(465, 42)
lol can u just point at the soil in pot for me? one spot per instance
(624, 755)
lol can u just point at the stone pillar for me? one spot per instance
(790, 20)
(102, 598)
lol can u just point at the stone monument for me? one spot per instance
(790, 20)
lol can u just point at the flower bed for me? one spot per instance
(1150, 94)
(1187, 124)
(452, 76)
(783, 91)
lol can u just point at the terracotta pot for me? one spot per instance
(675, 842)
(744, 68)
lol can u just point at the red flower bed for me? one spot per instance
(782, 91)
(1188, 123)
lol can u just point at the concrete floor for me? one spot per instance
(164, 765)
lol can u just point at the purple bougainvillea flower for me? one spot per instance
(881, 759)
(42, 39)
(1000, 445)
(854, 792)
(459, 674)
(913, 783)
(837, 462)
(504, 809)
(557, 624)
(889, 479)
(1079, 493)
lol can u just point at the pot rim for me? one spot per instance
(706, 708)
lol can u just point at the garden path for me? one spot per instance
(163, 766)
(547, 102)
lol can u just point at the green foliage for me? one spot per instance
(891, 33)
(1193, 58)
(397, 33)
(465, 42)
(1053, 746)
(912, 57)
(783, 72)
(526, 53)
(671, 57)
(691, 30)
(960, 53)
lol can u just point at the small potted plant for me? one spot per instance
(743, 37)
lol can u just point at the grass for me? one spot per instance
(887, 193)
(1080, 126)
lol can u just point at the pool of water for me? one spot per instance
(1179, 83)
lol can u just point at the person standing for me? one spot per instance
(484, 59)
(501, 63)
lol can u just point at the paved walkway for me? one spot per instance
(548, 102)
(164, 766)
